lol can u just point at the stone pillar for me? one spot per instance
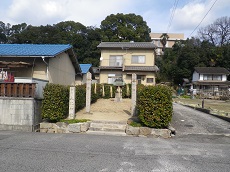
(72, 94)
(111, 91)
(134, 94)
(95, 88)
(88, 91)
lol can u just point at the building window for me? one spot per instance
(138, 59)
(113, 77)
(149, 80)
(115, 60)
(207, 77)
(217, 77)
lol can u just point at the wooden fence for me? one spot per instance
(17, 89)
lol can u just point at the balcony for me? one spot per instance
(17, 89)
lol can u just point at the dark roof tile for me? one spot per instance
(211, 70)
(127, 45)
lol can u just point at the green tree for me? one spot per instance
(124, 28)
(164, 38)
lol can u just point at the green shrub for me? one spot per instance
(95, 96)
(107, 91)
(126, 91)
(55, 104)
(154, 105)
(80, 98)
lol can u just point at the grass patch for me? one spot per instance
(71, 121)
(136, 124)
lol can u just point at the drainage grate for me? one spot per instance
(188, 125)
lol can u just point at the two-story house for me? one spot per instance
(210, 80)
(119, 60)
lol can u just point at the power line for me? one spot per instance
(172, 14)
(203, 18)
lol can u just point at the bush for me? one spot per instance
(107, 91)
(95, 96)
(154, 105)
(55, 104)
(80, 98)
(126, 91)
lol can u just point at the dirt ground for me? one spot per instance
(214, 105)
(107, 110)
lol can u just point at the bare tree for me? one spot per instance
(218, 33)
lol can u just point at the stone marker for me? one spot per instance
(72, 102)
(134, 94)
(88, 91)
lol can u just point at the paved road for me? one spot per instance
(91, 153)
(187, 151)
(189, 121)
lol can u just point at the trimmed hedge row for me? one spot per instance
(154, 105)
(55, 104)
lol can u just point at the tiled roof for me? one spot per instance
(85, 67)
(142, 68)
(211, 70)
(127, 45)
(211, 82)
(33, 49)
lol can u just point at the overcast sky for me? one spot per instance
(157, 13)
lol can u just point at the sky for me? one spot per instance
(162, 16)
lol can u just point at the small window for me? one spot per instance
(113, 77)
(138, 59)
(217, 77)
(115, 60)
(207, 77)
(149, 80)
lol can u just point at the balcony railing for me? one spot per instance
(17, 89)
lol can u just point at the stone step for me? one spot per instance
(113, 133)
(107, 126)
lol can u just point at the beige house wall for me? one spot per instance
(127, 56)
(127, 76)
(61, 70)
(155, 37)
(37, 70)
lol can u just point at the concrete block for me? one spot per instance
(46, 125)
(62, 124)
(132, 130)
(52, 131)
(75, 128)
(145, 131)
(62, 130)
(85, 126)
(165, 133)
(43, 130)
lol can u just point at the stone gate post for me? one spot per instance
(88, 91)
(134, 94)
(72, 94)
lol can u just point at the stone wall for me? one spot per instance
(62, 127)
(22, 114)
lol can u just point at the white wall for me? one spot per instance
(195, 76)
(19, 113)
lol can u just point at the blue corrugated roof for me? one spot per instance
(85, 67)
(33, 49)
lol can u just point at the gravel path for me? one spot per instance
(107, 110)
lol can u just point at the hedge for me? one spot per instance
(55, 102)
(154, 105)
